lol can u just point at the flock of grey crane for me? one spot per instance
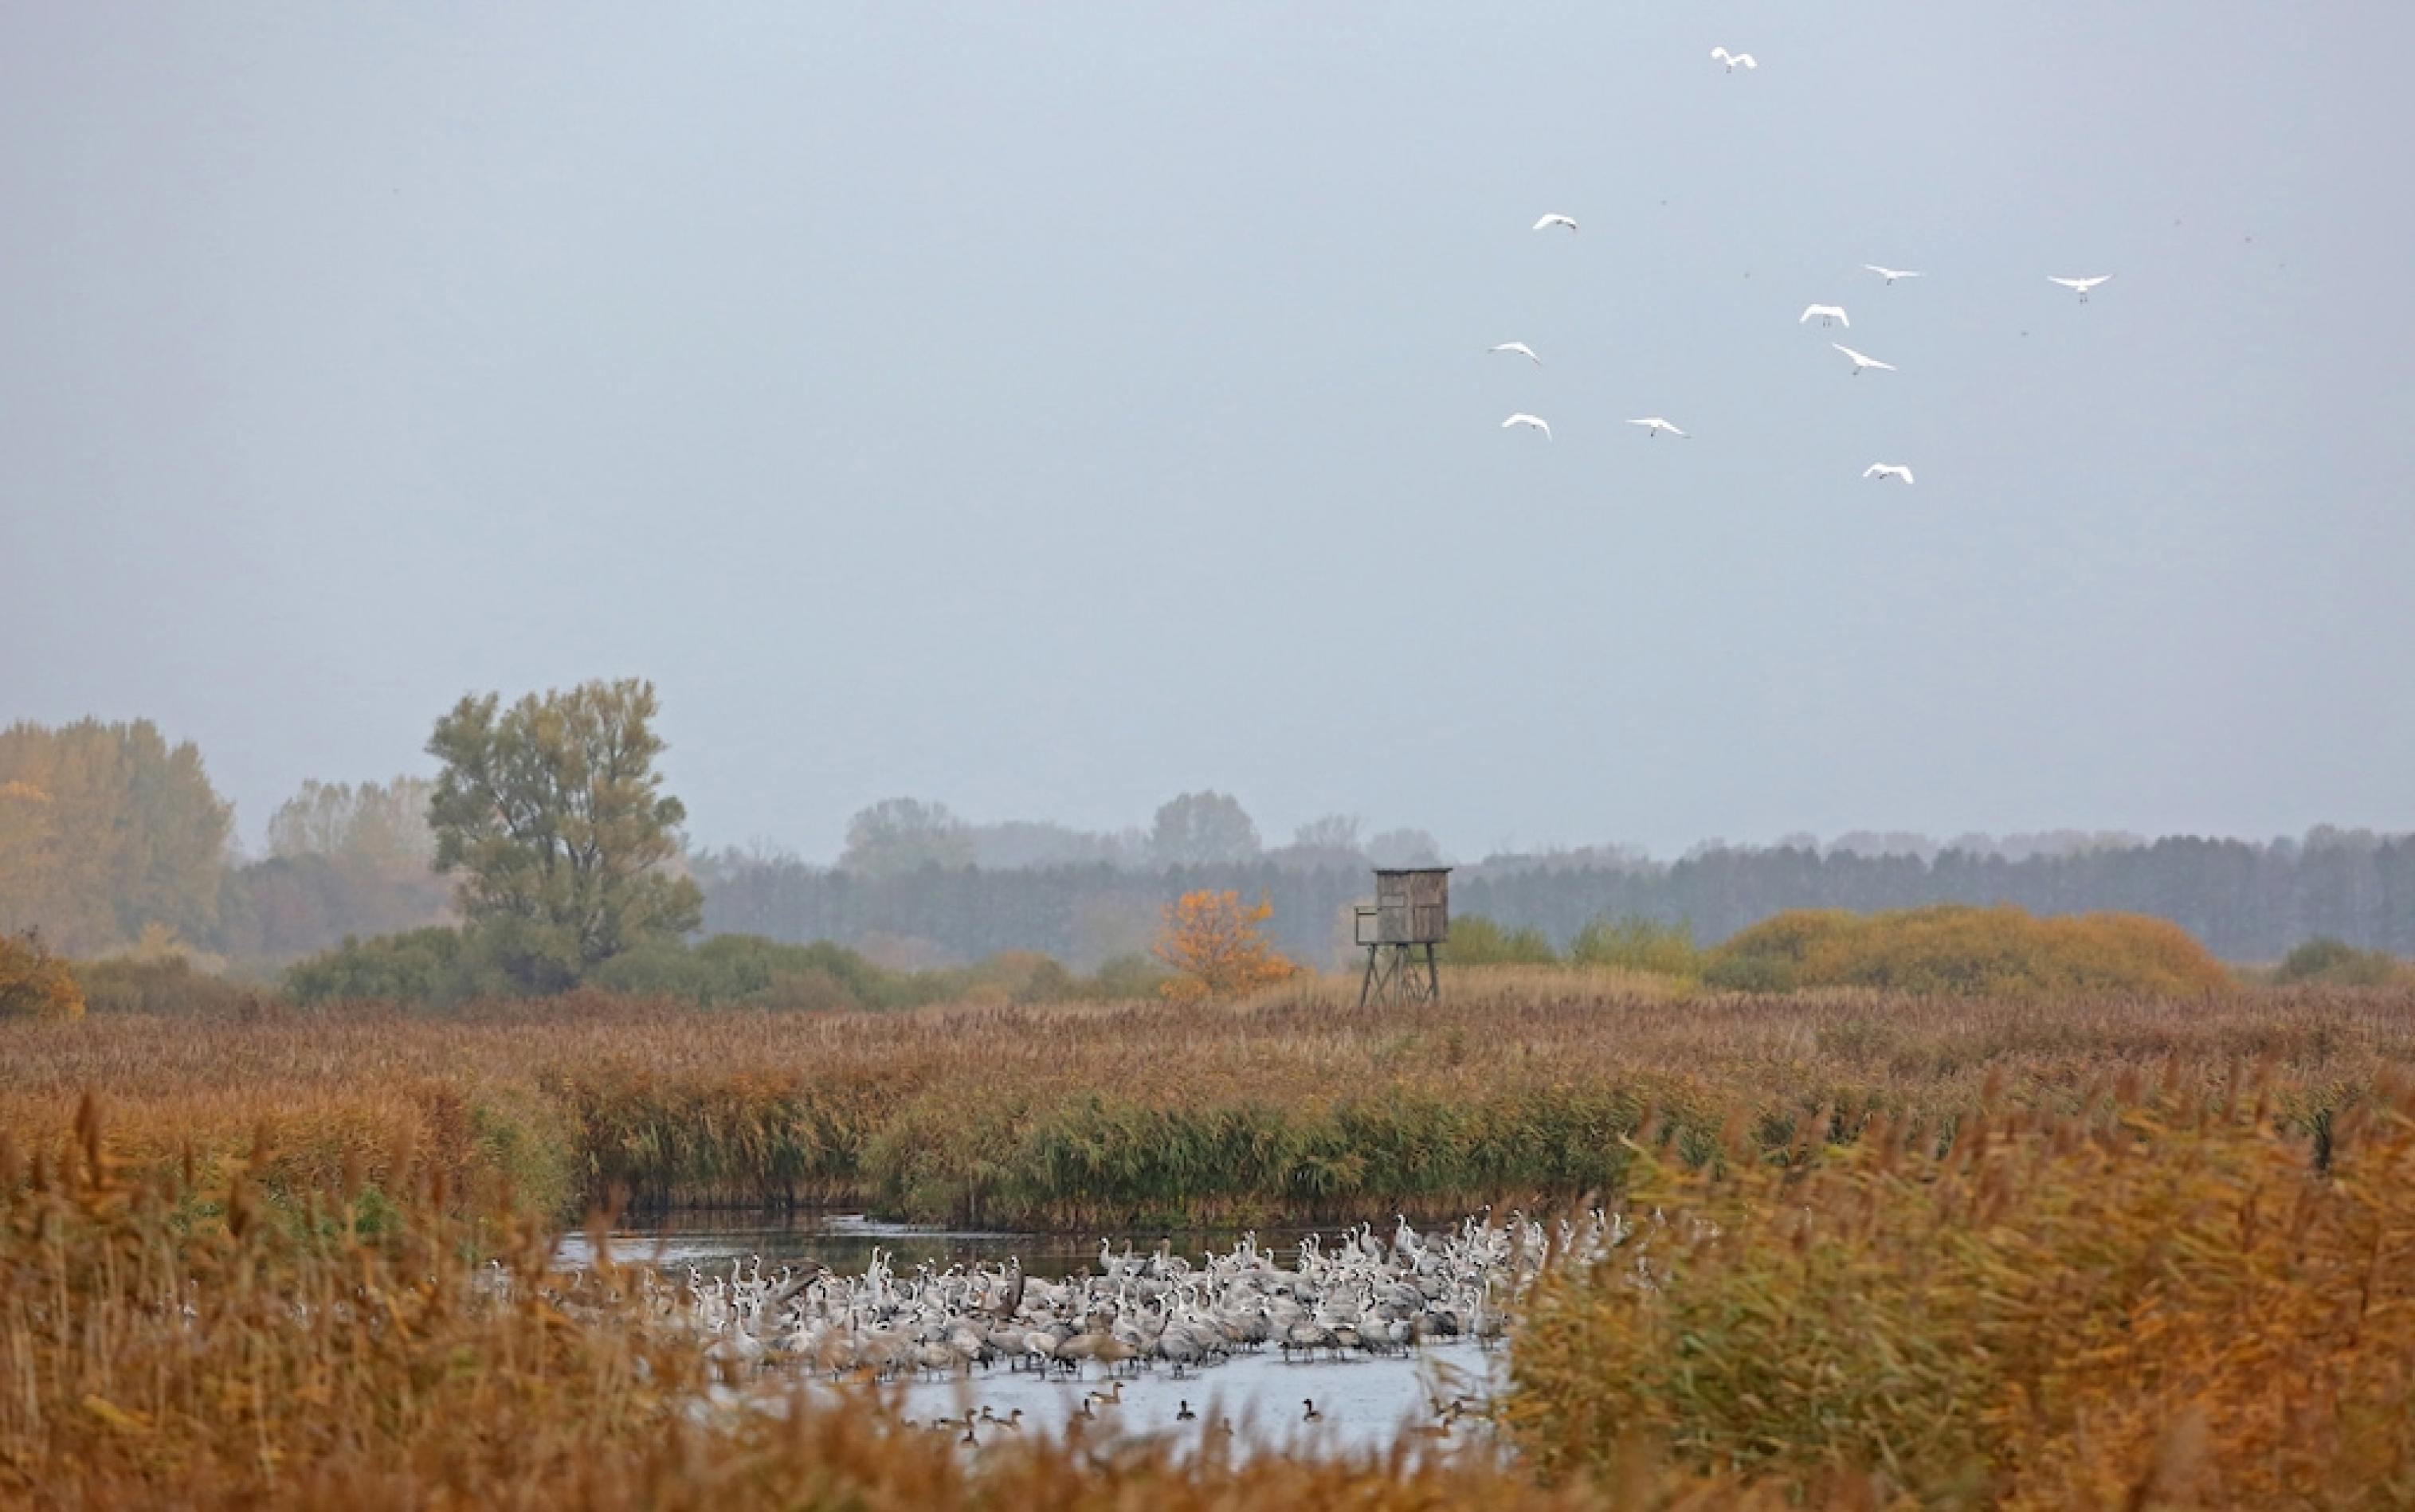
(1829, 315)
(1132, 1313)
(1157, 1313)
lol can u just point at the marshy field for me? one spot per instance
(1878, 1249)
(1299, 1107)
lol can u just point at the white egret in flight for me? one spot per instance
(1733, 60)
(1890, 275)
(1527, 420)
(2080, 286)
(1828, 313)
(1654, 424)
(1887, 469)
(1551, 220)
(1861, 362)
(1521, 349)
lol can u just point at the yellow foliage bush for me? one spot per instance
(36, 985)
(1213, 943)
(1955, 950)
(2164, 1305)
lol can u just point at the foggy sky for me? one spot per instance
(1048, 410)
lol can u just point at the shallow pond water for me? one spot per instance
(1363, 1403)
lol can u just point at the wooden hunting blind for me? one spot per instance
(1410, 916)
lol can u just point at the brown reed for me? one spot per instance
(2167, 1305)
(145, 1363)
(1914, 1252)
(1296, 1105)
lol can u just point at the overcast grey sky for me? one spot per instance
(1046, 409)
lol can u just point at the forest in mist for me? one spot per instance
(113, 841)
(2245, 901)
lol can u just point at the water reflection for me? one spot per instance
(1361, 1404)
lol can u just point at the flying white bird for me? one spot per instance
(1887, 469)
(1527, 420)
(1521, 349)
(1827, 313)
(1551, 220)
(2080, 286)
(1860, 362)
(1890, 275)
(1654, 424)
(1733, 60)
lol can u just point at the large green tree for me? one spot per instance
(554, 815)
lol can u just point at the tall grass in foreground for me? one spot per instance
(2164, 1305)
(1297, 1106)
(150, 1360)
(2161, 1306)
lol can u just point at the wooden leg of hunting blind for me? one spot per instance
(1392, 975)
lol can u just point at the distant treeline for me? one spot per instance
(113, 841)
(2245, 901)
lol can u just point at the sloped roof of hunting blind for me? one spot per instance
(1413, 905)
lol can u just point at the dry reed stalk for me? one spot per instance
(1295, 1106)
(2162, 1304)
(306, 1366)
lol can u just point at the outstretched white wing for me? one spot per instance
(1833, 312)
(1861, 361)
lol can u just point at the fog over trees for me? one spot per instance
(1088, 898)
(344, 859)
(112, 838)
(106, 830)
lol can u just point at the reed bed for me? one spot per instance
(2167, 1304)
(147, 1361)
(2162, 1300)
(1298, 1106)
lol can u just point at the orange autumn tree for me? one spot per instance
(1213, 943)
